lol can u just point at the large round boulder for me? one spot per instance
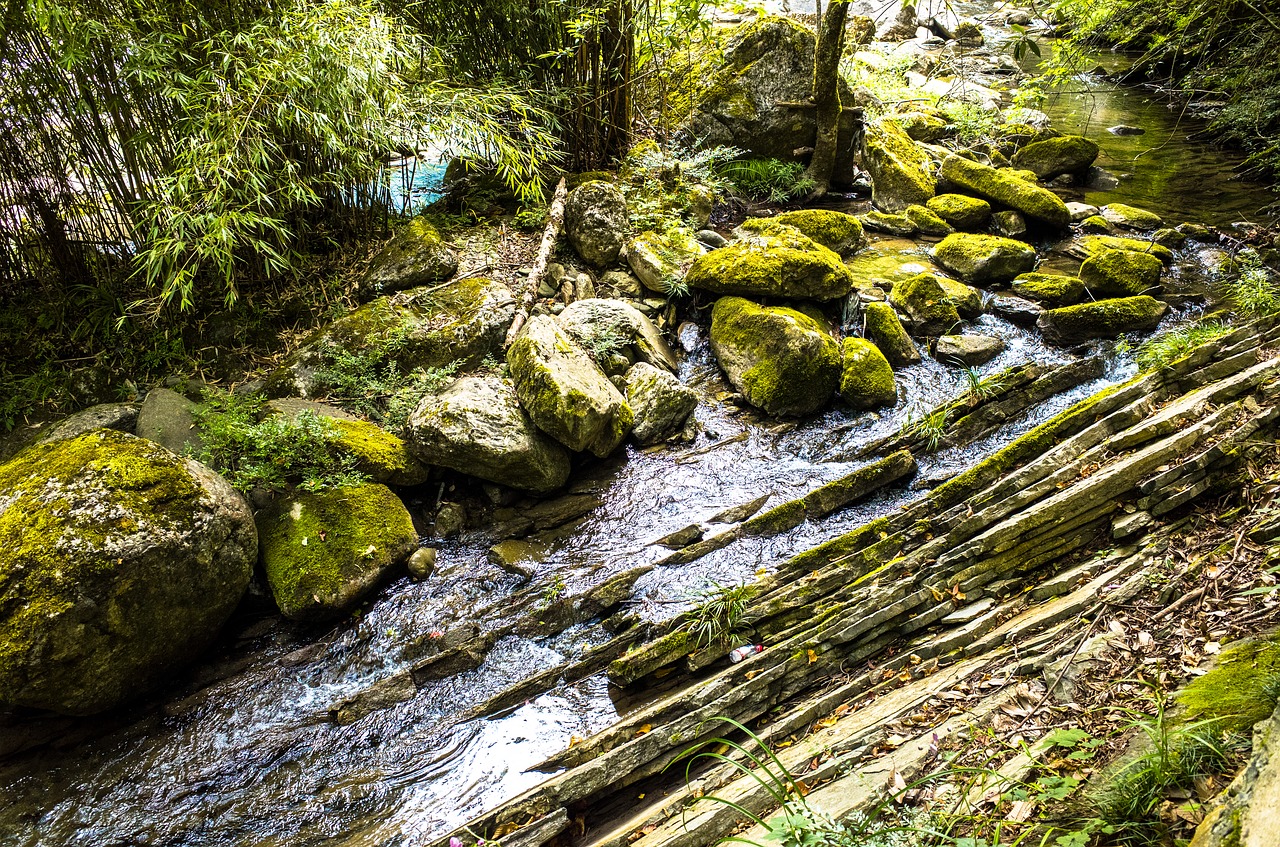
(866, 379)
(119, 562)
(661, 403)
(595, 219)
(926, 304)
(324, 550)
(1066, 154)
(661, 259)
(476, 427)
(1104, 319)
(417, 255)
(781, 360)
(1122, 273)
(984, 258)
(837, 231)
(772, 260)
(901, 172)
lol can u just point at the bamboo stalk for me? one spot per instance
(549, 237)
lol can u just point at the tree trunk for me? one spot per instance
(826, 95)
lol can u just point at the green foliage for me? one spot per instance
(1168, 347)
(768, 180)
(664, 187)
(979, 388)
(252, 451)
(719, 614)
(1241, 690)
(930, 429)
(1249, 285)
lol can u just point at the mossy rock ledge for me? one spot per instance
(416, 255)
(984, 258)
(1006, 189)
(1104, 319)
(120, 562)
(324, 550)
(866, 380)
(836, 231)
(781, 262)
(782, 361)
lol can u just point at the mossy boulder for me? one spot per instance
(416, 255)
(984, 258)
(1091, 245)
(1066, 154)
(611, 325)
(921, 126)
(782, 361)
(968, 350)
(1131, 217)
(596, 222)
(476, 427)
(836, 231)
(1097, 224)
(962, 212)
(323, 551)
(1104, 319)
(119, 562)
(377, 454)
(1009, 224)
(885, 330)
(1001, 187)
(1122, 273)
(661, 259)
(168, 418)
(926, 304)
(777, 262)
(866, 377)
(660, 402)
(968, 300)
(122, 417)
(901, 172)
(463, 322)
(927, 222)
(1051, 290)
(889, 223)
(564, 391)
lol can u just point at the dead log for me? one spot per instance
(555, 221)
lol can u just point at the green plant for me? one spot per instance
(553, 591)
(769, 180)
(719, 614)
(979, 388)
(1168, 347)
(602, 341)
(930, 429)
(1249, 285)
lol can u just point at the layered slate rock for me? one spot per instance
(782, 361)
(926, 304)
(961, 211)
(417, 255)
(1122, 273)
(120, 562)
(1051, 290)
(1000, 187)
(778, 262)
(324, 550)
(596, 321)
(476, 427)
(901, 172)
(1067, 154)
(463, 322)
(836, 231)
(596, 222)
(661, 259)
(984, 258)
(866, 378)
(661, 403)
(1104, 319)
(885, 330)
(564, 391)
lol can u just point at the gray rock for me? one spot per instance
(168, 419)
(970, 350)
(1104, 319)
(122, 417)
(596, 324)
(1016, 310)
(1010, 224)
(1126, 129)
(417, 255)
(451, 520)
(711, 238)
(595, 219)
(621, 284)
(660, 402)
(661, 260)
(1081, 211)
(476, 427)
(422, 564)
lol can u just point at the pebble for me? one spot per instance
(422, 563)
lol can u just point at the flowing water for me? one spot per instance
(241, 752)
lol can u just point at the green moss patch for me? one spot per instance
(1242, 688)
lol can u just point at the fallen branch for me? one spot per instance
(549, 236)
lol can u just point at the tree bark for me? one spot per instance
(555, 220)
(826, 95)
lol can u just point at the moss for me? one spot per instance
(378, 453)
(781, 263)
(323, 551)
(1093, 244)
(926, 221)
(839, 548)
(1007, 189)
(1050, 289)
(1240, 690)
(778, 519)
(925, 301)
(901, 172)
(889, 224)
(967, 213)
(867, 379)
(836, 231)
(967, 299)
(1131, 217)
(1067, 154)
(1122, 273)
(884, 330)
(1096, 224)
(1104, 319)
(984, 258)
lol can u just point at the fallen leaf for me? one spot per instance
(827, 722)
(813, 657)
(644, 730)
(574, 742)
(1020, 811)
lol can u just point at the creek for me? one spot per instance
(241, 752)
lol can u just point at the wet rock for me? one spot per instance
(122, 417)
(462, 322)
(1037, 203)
(1122, 273)
(1067, 154)
(1131, 217)
(661, 259)
(619, 284)
(962, 212)
(772, 260)
(596, 222)
(378, 454)
(476, 427)
(450, 520)
(1198, 233)
(926, 222)
(1009, 224)
(417, 255)
(1126, 129)
(1091, 245)
(866, 380)
(595, 323)
(120, 562)
(984, 258)
(710, 238)
(970, 350)
(781, 360)
(1104, 319)
(885, 330)
(1052, 290)
(968, 300)
(681, 538)
(1097, 224)
(926, 304)
(660, 402)
(518, 557)
(564, 392)
(1170, 238)
(836, 231)
(920, 126)
(324, 550)
(1016, 310)
(889, 224)
(168, 419)
(1081, 211)
(901, 173)
(422, 564)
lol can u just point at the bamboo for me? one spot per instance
(550, 235)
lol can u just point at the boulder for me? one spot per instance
(966, 213)
(463, 322)
(476, 427)
(378, 454)
(836, 231)
(1131, 217)
(1052, 290)
(168, 419)
(660, 402)
(1081, 211)
(122, 417)
(920, 126)
(1009, 224)
(1001, 187)
(984, 258)
(661, 259)
(1104, 319)
(564, 391)
(772, 260)
(967, 299)
(969, 350)
(1091, 245)
(866, 378)
(1016, 310)
(1096, 223)
(781, 360)
(1122, 273)
(119, 562)
(926, 222)
(889, 224)
(1066, 154)
(323, 551)
(416, 255)
(926, 304)
(883, 329)
(901, 172)
(596, 222)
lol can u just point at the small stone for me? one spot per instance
(1009, 224)
(516, 556)
(1080, 211)
(682, 537)
(1016, 310)
(422, 563)
(451, 520)
(1126, 129)
(711, 238)
(969, 350)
